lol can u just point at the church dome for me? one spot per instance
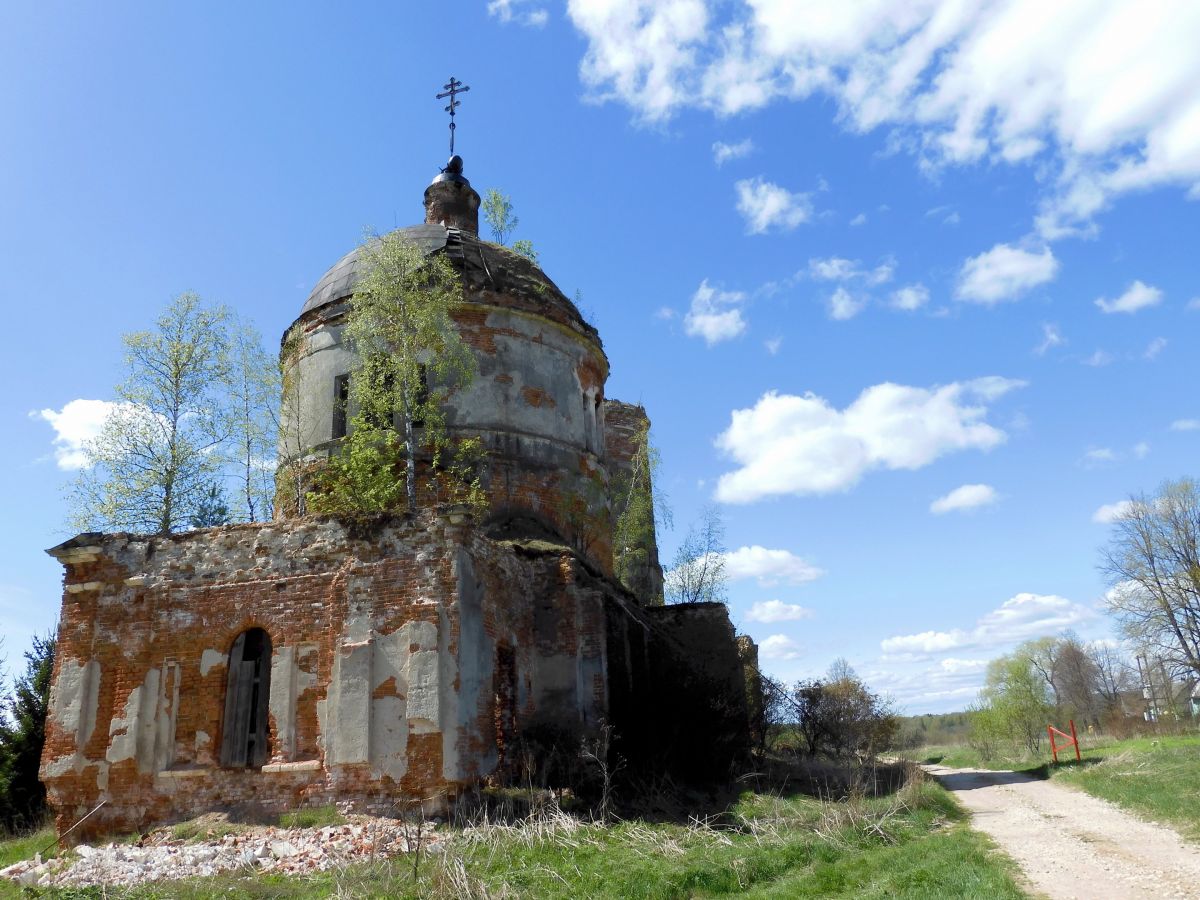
(491, 274)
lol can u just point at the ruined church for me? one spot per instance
(375, 662)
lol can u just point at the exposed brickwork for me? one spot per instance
(624, 427)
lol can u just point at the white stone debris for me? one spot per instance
(292, 851)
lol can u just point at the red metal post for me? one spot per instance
(1075, 740)
(1053, 749)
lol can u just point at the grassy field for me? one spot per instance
(913, 843)
(1158, 778)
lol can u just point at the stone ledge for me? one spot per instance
(183, 773)
(305, 765)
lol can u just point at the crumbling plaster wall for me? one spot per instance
(384, 641)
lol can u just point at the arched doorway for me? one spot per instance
(247, 689)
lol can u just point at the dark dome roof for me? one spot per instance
(491, 274)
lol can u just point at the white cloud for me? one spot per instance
(788, 444)
(766, 206)
(773, 345)
(518, 11)
(843, 305)
(665, 313)
(771, 611)
(860, 219)
(1137, 296)
(969, 496)
(77, 423)
(770, 567)
(1098, 95)
(910, 297)
(1051, 337)
(1098, 359)
(779, 646)
(1141, 450)
(1194, 304)
(835, 268)
(1155, 347)
(1020, 618)
(1004, 273)
(1110, 512)
(714, 314)
(1186, 425)
(955, 666)
(723, 153)
(1099, 455)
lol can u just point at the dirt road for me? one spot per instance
(1071, 845)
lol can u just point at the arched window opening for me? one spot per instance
(247, 689)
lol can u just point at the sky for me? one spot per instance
(909, 289)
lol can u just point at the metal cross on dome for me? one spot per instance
(451, 89)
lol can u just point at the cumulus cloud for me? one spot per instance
(961, 499)
(723, 153)
(860, 219)
(766, 206)
(1004, 273)
(77, 423)
(771, 611)
(1099, 95)
(1137, 296)
(1155, 347)
(1111, 512)
(773, 345)
(910, 297)
(1186, 425)
(523, 12)
(1098, 359)
(788, 444)
(1020, 618)
(715, 315)
(780, 647)
(1098, 456)
(770, 567)
(843, 305)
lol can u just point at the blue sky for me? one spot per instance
(909, 291)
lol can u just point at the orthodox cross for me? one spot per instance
(451, 89)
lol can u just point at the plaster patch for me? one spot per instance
(74, 699)
(389, 737)
(210, 659)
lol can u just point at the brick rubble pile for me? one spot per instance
(291, 851)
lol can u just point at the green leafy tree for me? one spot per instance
(211, 509)
(409, 359)
(157, 453)
(498, 213)
(698, 573)
(638, 510)
(292, 477)
(22, 736)
(525, 247)
(252, 421)
(1016, 700)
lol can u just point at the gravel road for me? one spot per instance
(1072, 845)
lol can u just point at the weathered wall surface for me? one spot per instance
(385, 636)
(625, 424)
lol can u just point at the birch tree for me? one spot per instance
(409, 359)
(252, 422)
(157, 455)
(698, 573)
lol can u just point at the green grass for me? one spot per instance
(912, 844)
(312, 817)
(1157, 778)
